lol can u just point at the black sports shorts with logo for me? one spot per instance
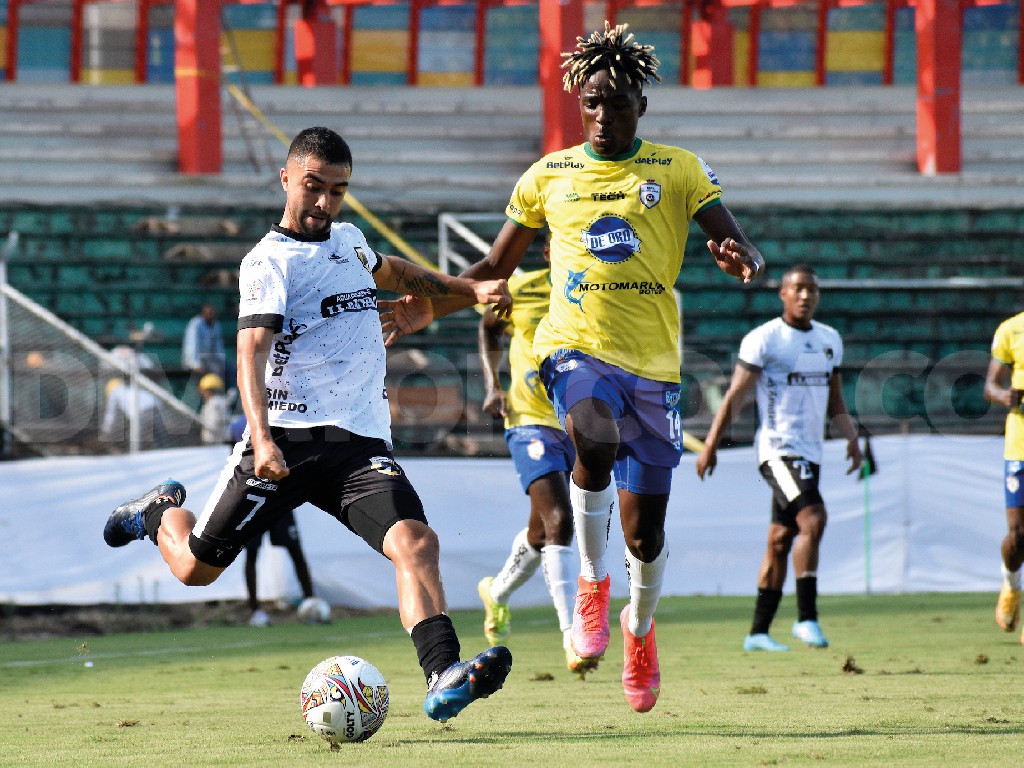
(353, 478)
(794, 484)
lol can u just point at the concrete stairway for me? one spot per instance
(432, 149)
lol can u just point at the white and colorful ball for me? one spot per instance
(344, 699)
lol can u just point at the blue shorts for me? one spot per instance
(1014, 484)
(646, 411)
(538, 451)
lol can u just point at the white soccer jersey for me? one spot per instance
(327, 362)
(792, 392)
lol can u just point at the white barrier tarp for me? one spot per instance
(936, 514)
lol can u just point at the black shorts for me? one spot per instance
(794, 484)
(353, 478)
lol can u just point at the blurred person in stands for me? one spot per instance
(542, 455)
(213, 413)
(312, 361)
(618, 208)
(793, 362)
(1004, 385)
(115, 428)
(202, 347)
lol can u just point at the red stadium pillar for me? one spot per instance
(754, 45)
(1020, 49)
(889, 44)
(820, 43)
(480, 42)
(711, 37)
(412, 54)
(197, 77)
(279, 42)
(939, 30)
(316, 50)
(560, 24)
(348, 19)
(75, 64)
(11, 64)
(141, 41)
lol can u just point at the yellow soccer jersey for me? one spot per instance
(1008, 347)
(526, 401)
(618, 230)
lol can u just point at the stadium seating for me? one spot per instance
(107, 272)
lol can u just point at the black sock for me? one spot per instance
(807, 598)
(764, 610)
(437, 645)
(152, 517)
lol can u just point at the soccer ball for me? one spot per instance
(344, 698)
(314, 610)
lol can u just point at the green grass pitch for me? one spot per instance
(910, 680)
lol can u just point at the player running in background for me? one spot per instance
(618, 209)
(311, 364)
(543, 456)
(1004, 385)
(793, 360)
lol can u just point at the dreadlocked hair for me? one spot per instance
(612, 50)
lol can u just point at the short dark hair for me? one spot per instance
(614, 51)
(322, 143)
(800, 269)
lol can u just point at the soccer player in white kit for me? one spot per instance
(793, 360)
(311, 365)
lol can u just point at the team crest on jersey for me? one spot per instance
(362, 258)
(385, 465)
(610, 239)
(650, 193)
(532, 379)
(708, 171)
(535, 450)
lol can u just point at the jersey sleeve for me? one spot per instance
(752, 349)
(262, 293)
(525, 206)
(1002, 344)
(703, 190)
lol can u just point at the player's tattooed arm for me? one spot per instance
(425, 284)
(402, 276)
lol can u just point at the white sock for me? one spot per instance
(521, 565)
(645, 581)
(556, 559)
(1011, 578)
(591, 517)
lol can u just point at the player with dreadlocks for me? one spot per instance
(618, 208)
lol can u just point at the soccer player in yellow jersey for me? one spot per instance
(618, 209)
(1004, 385)
(543, 456)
